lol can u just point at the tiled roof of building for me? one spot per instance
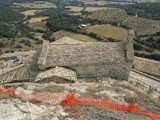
(82, 53)
(57, 72)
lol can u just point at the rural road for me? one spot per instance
(149, 81)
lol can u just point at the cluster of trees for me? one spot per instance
(147, 10)
(149, 56)
(149, 42)
(26, 42)
(71, 23)
(61, 21)
(148, 45)
(10, 2)
(11, 23)
(7, 42)
(63, 3)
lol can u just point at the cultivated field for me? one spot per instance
(74, 8)
(95, 2)
(89, 9)
(38, 25)
(80, 37)
(38, 19)
(108, 31)
(35, 5)
(101, 3)
(31, 12)
(142, 26)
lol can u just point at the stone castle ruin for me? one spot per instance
(69, 59)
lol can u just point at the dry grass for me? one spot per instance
(76, 14)
(95, 2)
(35, 5)
(38, 19)
(108, 31)
(38, 35)
(101, 2)
(30, 12)
(75, 8)
(38, 25)
(89, 9)
(80, 37)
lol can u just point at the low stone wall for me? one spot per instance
(116, 71)
(13, 74)
(148, 66)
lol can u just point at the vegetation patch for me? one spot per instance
(142, 26)
(108, 31)
(35, 5)
(92, 9)
(74, 8)
(31, 12)
(11, 23)
(38, 19)
(89, 9)
(147, 10)
(12, 45)
(38, 26)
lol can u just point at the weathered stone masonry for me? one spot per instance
(109, 59)
(90, 58)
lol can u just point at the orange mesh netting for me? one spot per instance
(72, 100)
(7, 91)
(68, 100)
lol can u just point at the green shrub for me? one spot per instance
(18, 46)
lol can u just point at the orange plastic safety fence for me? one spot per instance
(50, 98)
(72, 100)
(68, 100)
(7, 91)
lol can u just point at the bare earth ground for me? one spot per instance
(119, 91)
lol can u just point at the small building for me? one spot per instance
(83, 25)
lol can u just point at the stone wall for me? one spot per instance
(14, 74)
(112, 59)
(42, 58)
(148, 66)
(116, 71)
